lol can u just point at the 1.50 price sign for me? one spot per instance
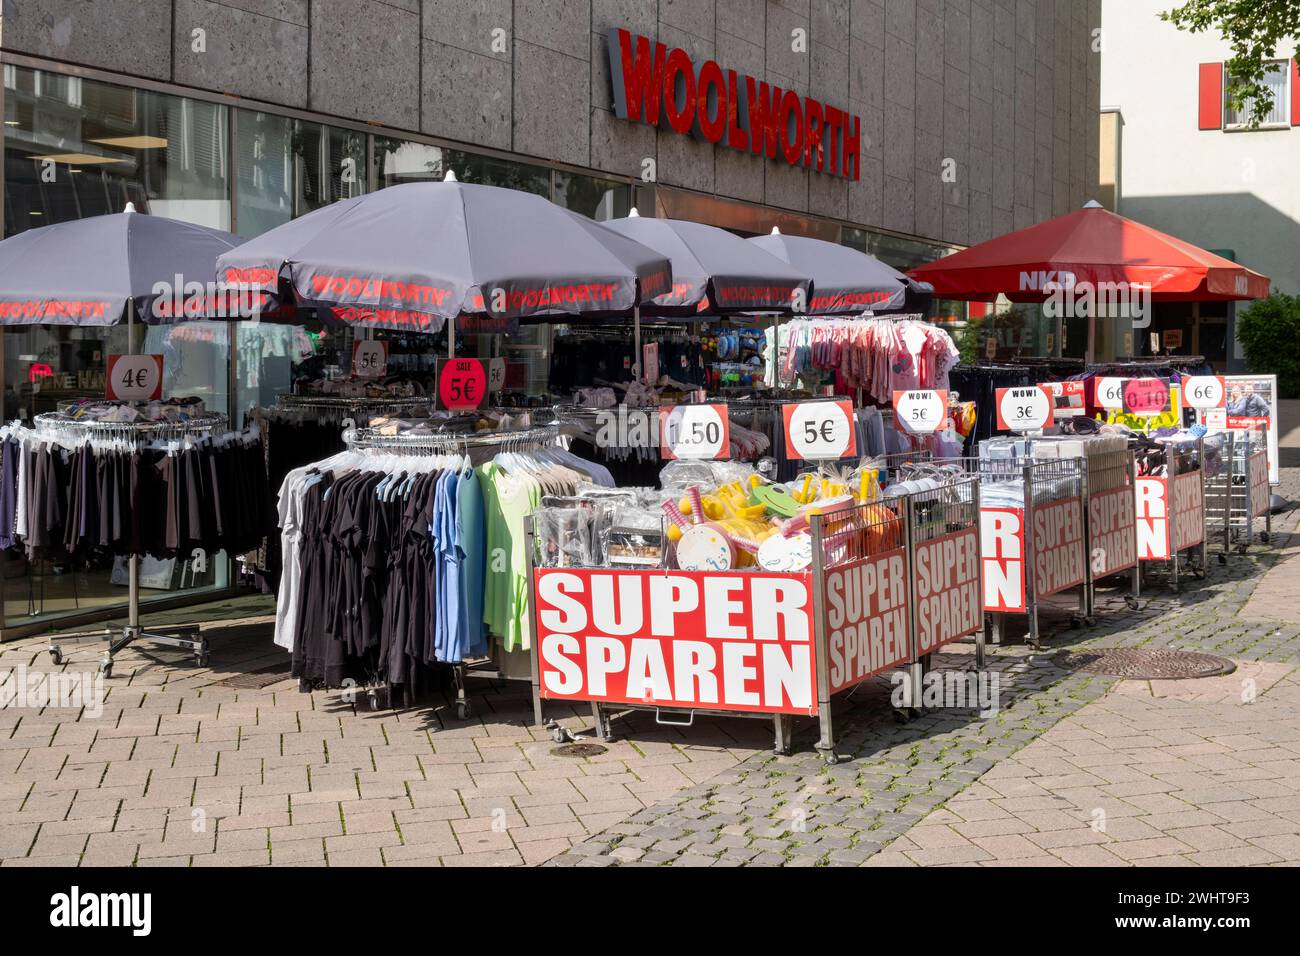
(694, 431)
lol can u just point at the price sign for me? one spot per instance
(1067, 398)
(462, 384)
(370, 359)
(1146, 396)
(920, 411)
(819, 431)
(1026, 408)
(694, 431)
(134, 378)
(496, 375)
(1204, 391)
(1110, 392)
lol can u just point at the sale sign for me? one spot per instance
(820, 431)
(1165, 526)
(694, 431)
(1112, 530)
(1026, 408)
(134, 378)
(920, 411)
(1002, 552)
(1146, 396)
(948, 604)
(1058, 546)
(1058, 549)
(692, 639)
(462, 384)
(370, 358)
(866, 618)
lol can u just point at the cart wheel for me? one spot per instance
(106, 668)
(1090, 620)
(831, 758)
(56, 655)
(1132, 602)
(1198, 573)
(462, 710)
(1242, 548)
(201, 659)
(558, 735)
(373, 698)
(902, 714)
(1223, 559)
(1263, 536)
(1075, 622)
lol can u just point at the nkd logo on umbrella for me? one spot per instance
(654, 84)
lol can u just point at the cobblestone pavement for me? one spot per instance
(183, 769)
(898, 797)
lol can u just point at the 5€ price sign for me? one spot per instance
(462, 384)
(920, 411)
(1204, 391)
(819, 431)
(1110, 392)
(370, 359)
(134, 378)
(694, 431)
(1024, 408)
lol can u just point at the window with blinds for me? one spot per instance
(1276, 79)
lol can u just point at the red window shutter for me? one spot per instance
(1210, 113)
(1295, 92)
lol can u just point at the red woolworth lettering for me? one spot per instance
(1002, 550)
(946, 571)
(1058, 547)
(1112, 536)
(866, 617)
(679, 639)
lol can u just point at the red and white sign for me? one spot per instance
(659, 86)
(1162, 523)
(820, 431)
(1067, 399)
(692, 639)
(1058, 552)
(1112, 531)
(1024, 408)
(694, 431)
(866, 618)
(920, 411)
(370, 358)
(462, 384)
(1203, 391)
(1146, 396)
(948, 602)
(1257, 479)
(134, 378)
(1110, 393)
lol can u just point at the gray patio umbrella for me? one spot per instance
(846, 281)
(410, 257)
(715, 271)
(102, 270)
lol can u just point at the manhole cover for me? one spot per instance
(256, 680)
(1144, 665)
(579, 750)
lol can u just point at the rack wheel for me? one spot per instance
(106, 668)
(462, 710)
(56, 655)
(1263, 536)
(1223, 558)
(559, 736)
(1198, 573)
(373, 699)
(1241, 548)
(1090, 620)
(831, 758)
(201, 659)
(1132, 602)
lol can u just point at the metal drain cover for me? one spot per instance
(579, 750)
(1135, 664)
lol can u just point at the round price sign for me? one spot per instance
(1203, 391)
(1110, 392)
(920, 411)
(694, 431)
(370, 359)
(496, 375)
(462, 384)
(1146, 396)
(134, 378)
(1024, 408)
(819, 431)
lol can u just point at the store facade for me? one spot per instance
(970, 120)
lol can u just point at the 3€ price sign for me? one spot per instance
(134, 378)
(1024, 408)
(462, 384)
(694, 431)
(1110, 392)
(920, 411)
(819, 431)
(370, 359)
(1146, 396)
(1204, 391)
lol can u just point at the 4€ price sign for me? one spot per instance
(920, 411)
(819, 431)
(694, 431)
(134, 378)
(1024, 408)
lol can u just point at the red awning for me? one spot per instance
(1090, 245)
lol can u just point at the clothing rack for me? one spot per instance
(61, 429)
(339, 405)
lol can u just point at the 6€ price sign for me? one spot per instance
(462, 384)
(1204, 391)
(370, 359)
(694, 431)
(134, 378)
(819, 431)
(1025, 408)
(496, 375)
(1110, 392)
(920, 411)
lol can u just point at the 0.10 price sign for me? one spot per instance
(819, 431)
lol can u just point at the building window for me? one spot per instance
(1276, 79)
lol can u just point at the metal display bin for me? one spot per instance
(1239, 495)
(1171, 515)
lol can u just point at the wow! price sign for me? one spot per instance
(819, 431)
(1024, 408)
(920, 411)
(134, 378)
(462, 384)
(694, 431)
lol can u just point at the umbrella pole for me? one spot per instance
(636, 342)
(133, 562)
(1092, 335)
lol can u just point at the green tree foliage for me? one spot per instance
(1256, 30)
(1269, 332)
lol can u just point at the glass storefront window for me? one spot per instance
(598, 199)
